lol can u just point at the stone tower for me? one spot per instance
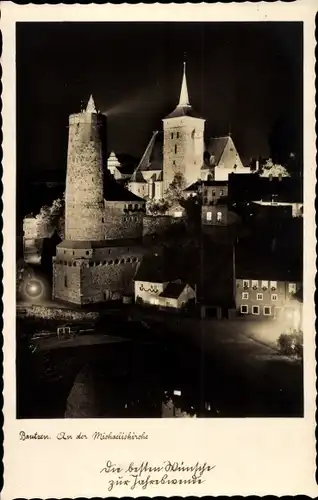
(183, 143)
(97, 260)
(84, 199)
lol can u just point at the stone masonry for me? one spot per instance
(98, 259)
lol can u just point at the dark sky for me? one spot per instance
(246, 77)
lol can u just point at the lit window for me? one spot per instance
(274, 297)
(259, 296)
(255, 310)
(244, 309)
(291, 287)
(267, 311)
(213, 193)
(178, 214)
(264, 285)
(245, 295)
(273, 285)
(255, 284)
(221, 192)
(209, 216)
(246, 283)
(219, 216)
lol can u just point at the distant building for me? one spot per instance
(118, 170)
(273, 191)
(267, 287)
(210, 191)
(218, 214)
(222, 160)
(153, 286)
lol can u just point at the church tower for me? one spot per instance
(84, 199)
(183, 143)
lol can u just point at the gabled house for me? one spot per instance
(156, 285)
(222, 159)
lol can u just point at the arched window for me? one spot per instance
(116, 261)
(122, 261)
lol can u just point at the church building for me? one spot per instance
(181, 149)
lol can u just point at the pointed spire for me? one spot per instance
(91, 108)
(184, 97)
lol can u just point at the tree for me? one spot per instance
(271, 169)
(175, 192)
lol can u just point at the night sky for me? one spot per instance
(242, 77)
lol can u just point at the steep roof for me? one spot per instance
(184, 111)
(216, 147)
(184, 107)
(173, 290)
(152, 158)
(91, 108)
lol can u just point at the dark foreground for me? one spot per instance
(219, 370)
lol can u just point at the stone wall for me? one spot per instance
(121, 224)
(43, 312)
(106, 274)
(67, 281)
(158, 224)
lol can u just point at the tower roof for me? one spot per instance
(184, 97)
(91, 108)
(184, 107)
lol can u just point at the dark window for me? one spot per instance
(171, 135)
(177, 135)
(65, 281)
(175, 149)
(213, 193)
(136, 207)
(111, 262)
(174, 162)
(103, 220)
(122, 261)
(116, 261)
(129, 207)
(87, 252)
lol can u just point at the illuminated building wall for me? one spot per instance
(98, 258)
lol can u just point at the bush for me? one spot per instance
(291, 344)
